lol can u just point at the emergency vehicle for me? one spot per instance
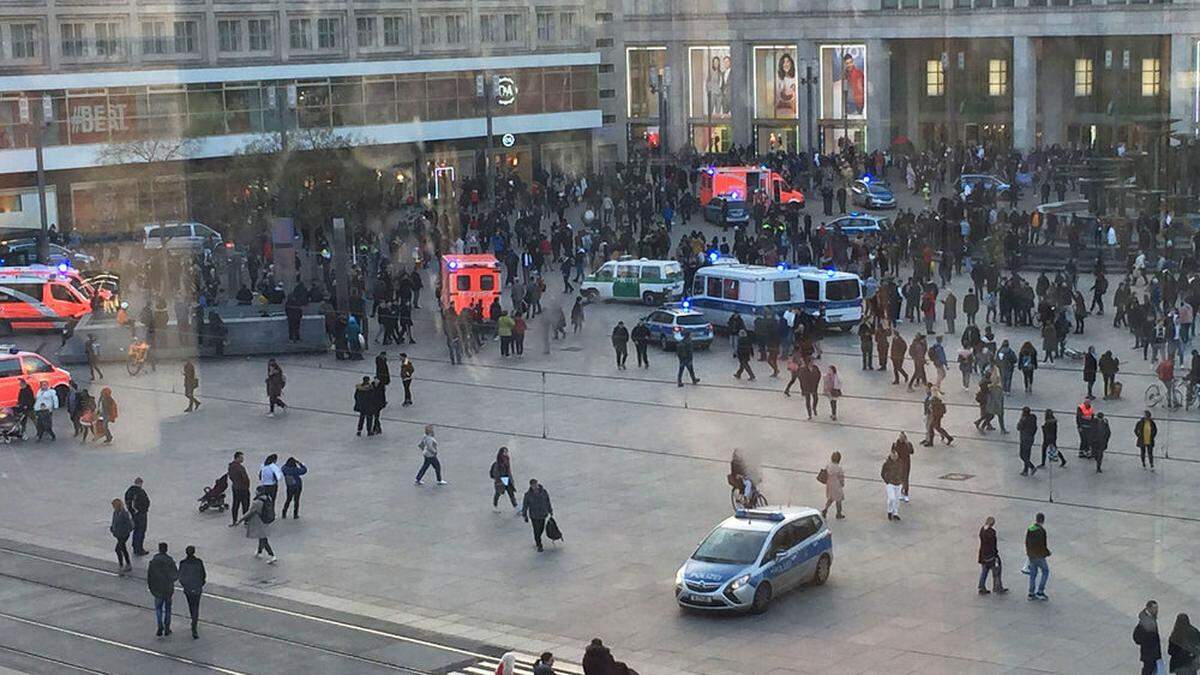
(17, 365)
(61, 271)
(33, 302)
(753, 290)
(469, 279)
(650, 281)
(741, 182)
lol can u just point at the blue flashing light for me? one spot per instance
(713, 256)
(453, 264)
(687, 303)
(63, 267)
(758, 514)
(781, 266)
(867, 178)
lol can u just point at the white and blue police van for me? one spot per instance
(752, 290)
(753, 557)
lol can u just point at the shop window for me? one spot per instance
(935, 78)
(1151, 77)
(1084, 75)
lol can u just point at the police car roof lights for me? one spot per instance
(759, 514)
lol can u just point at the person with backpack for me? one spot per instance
(1027, 362)
(257, 521)
(192, 578)
(536, 508)
(502, 479)
(161, 574)
(293, 469)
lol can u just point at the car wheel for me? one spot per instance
(650, 299)
(821, 575)
(762, 598)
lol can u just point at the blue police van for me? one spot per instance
(754, 556)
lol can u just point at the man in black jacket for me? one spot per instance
(1146, 431)
(191, 579)
(989, 558)
(536, 507)
(620, 343)
(160, 578)
(138, 503)
(641, 340)
(1037, 550)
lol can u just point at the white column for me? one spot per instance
(879, 95)
(1183, 84)
(1024, 100)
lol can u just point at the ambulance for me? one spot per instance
(34, 302)
(469, 279)
(741, 182)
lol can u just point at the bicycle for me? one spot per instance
(758, 500)
(138, 351)
(1166, 394)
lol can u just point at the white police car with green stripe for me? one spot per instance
(754, 556)
(650, 281)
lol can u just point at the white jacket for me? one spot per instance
(46, 400)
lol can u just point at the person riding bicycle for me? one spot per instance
(1165, 371)
(740, 479)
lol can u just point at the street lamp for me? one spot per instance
(660, 83)
(809, 80)
(43, 247)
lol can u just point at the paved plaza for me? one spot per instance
(636, 470)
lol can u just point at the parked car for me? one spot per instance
(181, 236)
(872, 194)
(737, 213)
(23, 252)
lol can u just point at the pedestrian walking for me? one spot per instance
(44, 406)
(641, 342)
(577, 315)
(1090, 365)
(161, 574)
(1036, 547)
(892, 474)
(269, 476)
(536, 508)
(406, 378)
(966, 366)
(898, 349)
(810, 382)
(903, 449)
(835, 485)
(1109, 365)
(620, 343)
(989, 558)
(917, 351)
(1146, 637)
(683, 353)
(832, 387)
(276, 381)
(192, 578)
(1183, 647)
(91, 350)
(544, 664)
(429, 454)
(1099, 440)
(745, 352)
(1027, 430)
(502, 479)
(1146, 431)
(364, 405)
(121, 528)
(866, 340)
(937, 412)
(258, 520)
(239, 483)
(1050, 440)
(882, 334)
(293, 470)
(138, 503)
(1027, 362)
(190, 383)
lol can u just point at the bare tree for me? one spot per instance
(148, 152)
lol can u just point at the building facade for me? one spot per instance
(797, 74)
(399, 81)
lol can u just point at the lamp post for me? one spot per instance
(660, 83)
(38, 127)
(808, 81)
(485, 88)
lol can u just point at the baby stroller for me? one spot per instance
(214, 497)
(10, 426)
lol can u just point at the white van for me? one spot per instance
(749, 290)
(650, 281)
(180, 236)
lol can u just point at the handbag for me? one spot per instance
(552, 531)
(822, 476)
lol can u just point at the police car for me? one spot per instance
(753, 556)
(669, 323)
(872, 193)
(860, 224)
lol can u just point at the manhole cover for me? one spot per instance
(572, 349)
(957, 476)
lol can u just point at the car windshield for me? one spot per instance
(736, 204)
(880, 189)
(842, 289)
(691, 320)
(672, 271)
(730, 546)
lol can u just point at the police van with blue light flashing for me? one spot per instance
(753, 290)
(753, 557)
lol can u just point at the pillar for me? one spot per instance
(1183, 84)
(807, 58)
(742, 93)
(1055, 89)
(879, 95)
(914, 88)
(1024, 100)
(677, 97)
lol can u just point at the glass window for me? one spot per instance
(805, 528)
(714, 287)
(1151, 77)
(488, 28)
(32, 363)
(487, 282)
(545, 26)
(108, 38)
(997, 77)
(605, 273)
(889, 4)
(729, 289)
(61, 292)
(842, 289)
(566, 26)
(395, 31)
(627, 271)
(10, 203)
(513, 27)
(812, 290)
(428, 30)
(455, 29)
(298, 34)
(962, 4)
(24, 41)
(783, 540)
(327, 33)
(229, 36)
(731, 546)
(783, 290)
(74, 42)
(185, 37)
(691, 320)
(1083, 77)
(10, 367)
(931, 4)
(366, 31)
(154, 38)
(259, 31)
(651, 272)
(462, 282)
(935, 78)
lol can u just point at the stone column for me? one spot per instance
(1055, 90)
(1182, 83)
(879, 95)
(1024, 99)
(808, 57)
(742, 91)
(914, 88)
(677, 97)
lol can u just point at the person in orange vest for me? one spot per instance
(1084, 418)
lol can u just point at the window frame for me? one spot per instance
(265, 39)
(1151, 78)
(1085, 78)
(997, 77)
(329, 33)
(30, 39)
(938, 84)
(229, 41)
(300, 40)
(78, 40)
(366, 27)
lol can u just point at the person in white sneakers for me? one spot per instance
(429, 451)
(258, 520)
(892, 475)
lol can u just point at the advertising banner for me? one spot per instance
(643, 65)
(775, 83)
(709, 71)
(844, 81)
(91, 119)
